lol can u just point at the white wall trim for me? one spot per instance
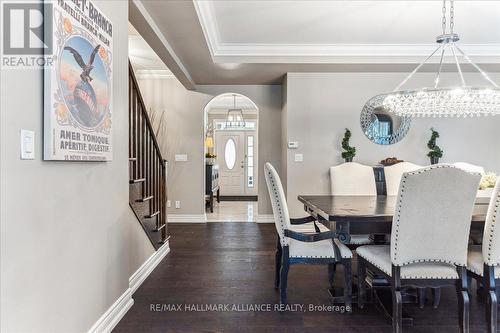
(144, 24)
(117, 311)
(187, 218)
(114, 314)
(206, 16)
(159, 74)
(148, 266)
(265, 218)
(324, 53)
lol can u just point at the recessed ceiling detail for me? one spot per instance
(341, 32)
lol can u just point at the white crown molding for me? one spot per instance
(324, 53)
(187, 218)
(107, 322)
(265, 218)
(160, 74)
(144, 24)
(344, 53)
(206, 16)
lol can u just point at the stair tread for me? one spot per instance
(163, 226)
(138, 180)
(145, 198)
(153, 214)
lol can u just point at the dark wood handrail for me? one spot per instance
(147, 168)
(144, 112)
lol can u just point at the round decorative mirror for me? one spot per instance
(380, 126)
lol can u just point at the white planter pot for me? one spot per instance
(486, 193)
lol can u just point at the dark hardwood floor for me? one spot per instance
(233, 263)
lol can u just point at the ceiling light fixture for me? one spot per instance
(458, 101)
(234, 117)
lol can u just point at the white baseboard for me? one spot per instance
(147, 267)
(115, 313)
(187, 218)
(265, 218)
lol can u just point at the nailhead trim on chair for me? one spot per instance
(281, 221)
(413, 277)
(280, 210)
(400, 201)
(492, 231)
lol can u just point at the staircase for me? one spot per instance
(147, 189)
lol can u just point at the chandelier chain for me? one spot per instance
(452, 16)
(458, 100)
(443, 20)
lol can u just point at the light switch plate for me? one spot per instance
(27, 145)
(181, 157)
(299, 158)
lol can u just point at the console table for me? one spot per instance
(212, 184)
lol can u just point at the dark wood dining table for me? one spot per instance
(369, 215)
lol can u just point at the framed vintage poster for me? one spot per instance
(78, 87)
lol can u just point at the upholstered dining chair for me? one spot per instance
(483, 261)
(435, 206)
(353, 178)
(469, 167)
(298, 245)
(394, 173)
(476, 236)
(393, 176)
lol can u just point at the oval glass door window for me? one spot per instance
(230, 154)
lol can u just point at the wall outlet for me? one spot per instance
(177, 204)
(299, 158)
(169, 203)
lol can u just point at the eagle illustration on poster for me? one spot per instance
(78, 87)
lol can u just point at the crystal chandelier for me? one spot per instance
(460, 101)
(234, 117)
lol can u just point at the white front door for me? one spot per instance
(231, 160)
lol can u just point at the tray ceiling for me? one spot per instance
(257, 42)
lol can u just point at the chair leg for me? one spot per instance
(347, 284)
(278, 264)
(421, 297)
(463, 310)
(331, 274)
(285, 265)
(463, 299)
(361, 283)
(491, 311)
(436, 297)
(397, 311)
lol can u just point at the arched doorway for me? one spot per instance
(231, 125)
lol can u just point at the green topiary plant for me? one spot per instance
(435, 152)
(349, 152)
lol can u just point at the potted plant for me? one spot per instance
(349, 152)
(435, 152)
(488, 182)
(210, 158)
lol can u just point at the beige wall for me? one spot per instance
(185, 134)
(69, 241)
(319, 106)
